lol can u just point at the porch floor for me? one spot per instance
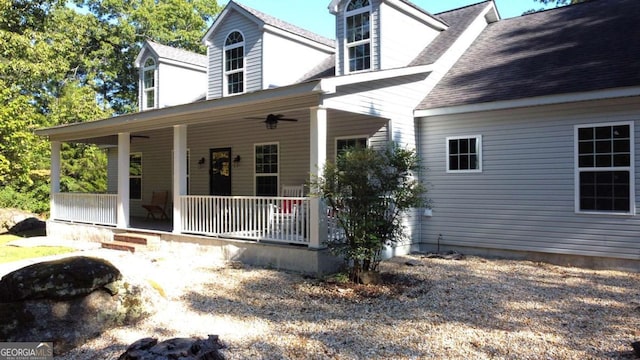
(150, 224)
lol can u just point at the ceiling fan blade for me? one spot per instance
(287, 119)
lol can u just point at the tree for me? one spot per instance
(59, 65)
(554, 3)
(369, 191)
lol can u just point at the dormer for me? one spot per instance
(169, 76)
(250, 51)
(380, 34)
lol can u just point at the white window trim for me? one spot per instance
(354, 137)
(479, 147)
(153, 88)
(225, 73)
(630, 168)
(256, 175)
(137, 176)
(348, 45)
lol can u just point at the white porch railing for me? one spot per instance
(99, 209)
(275, 219)
(278, 219)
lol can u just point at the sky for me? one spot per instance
(314, 16)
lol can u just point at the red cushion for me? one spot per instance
(287, 205)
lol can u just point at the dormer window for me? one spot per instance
(234, 63)
(358, 35)
(149, 84)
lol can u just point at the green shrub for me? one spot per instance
(369, 192)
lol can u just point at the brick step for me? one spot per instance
(136, 238)
(121, 246)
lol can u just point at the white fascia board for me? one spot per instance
(301, 39)
(329, 85)
(529, 102)
(143, 54)
(157, 116)
(412, 11)
(182, 64)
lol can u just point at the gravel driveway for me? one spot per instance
(473, 308)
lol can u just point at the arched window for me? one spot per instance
(149, 84)
(358, 35)
(234, 63)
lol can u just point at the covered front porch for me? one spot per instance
(237, 195)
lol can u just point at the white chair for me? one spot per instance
(292, 190)
(286, 218)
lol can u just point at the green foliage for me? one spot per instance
(61, 66)
(369, 191)
(554, 3)
(35, 200)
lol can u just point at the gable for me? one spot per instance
(579, 48)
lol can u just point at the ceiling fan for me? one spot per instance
(131, 137)
(272, 120)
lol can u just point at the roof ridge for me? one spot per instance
(176, 53)
(286, 26)
(462, 7)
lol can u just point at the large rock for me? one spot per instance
(16, 221)
(58, 279)
(69, 301)
(178, 348)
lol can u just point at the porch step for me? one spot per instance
(121, 246)
(132, 242)
(137, 238)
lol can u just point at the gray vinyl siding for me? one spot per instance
(112, 170)
(253, 54)
(156, 166)
(292, 138)
(523, 199)
(392, 99)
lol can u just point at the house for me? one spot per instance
(526, 128)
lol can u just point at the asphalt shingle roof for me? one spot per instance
(458, 20)
(584, 47)
(178, 54)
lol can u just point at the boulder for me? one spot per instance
(31, 225)
(178, 348)
(58, 279)
(11, 218)
(70, 301)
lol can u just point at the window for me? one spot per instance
(234, 63)
(149, 84)
(358, 35)
(135, 176)
(266, 169)
(464, 154)
(604, 160)
(344, 144)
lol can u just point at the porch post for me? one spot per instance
(124, 147)
(55, 176)
(179, 174)
(317, 159)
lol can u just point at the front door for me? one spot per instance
(220, 171)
